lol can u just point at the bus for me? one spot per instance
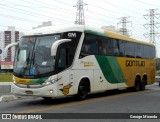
(53, 62)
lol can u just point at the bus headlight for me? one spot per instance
(49, 82)
(13, 79)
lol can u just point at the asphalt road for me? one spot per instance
(121, 101)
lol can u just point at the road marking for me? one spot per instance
(53, 107)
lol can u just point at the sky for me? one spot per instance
(26, 14)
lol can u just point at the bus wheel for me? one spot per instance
(137, 85)
(143, 86)
(82, 91)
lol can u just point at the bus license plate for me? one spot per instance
(28, 92)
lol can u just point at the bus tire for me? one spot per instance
(143, 85)
(137, 85)
(82, 91)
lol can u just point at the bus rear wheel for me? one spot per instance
(82, 91)
(143, 85)
(137, 86)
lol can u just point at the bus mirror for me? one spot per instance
(7, 47)
(56, 44)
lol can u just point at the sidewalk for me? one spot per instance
(6, 95)
(5, 88)
(5, 92)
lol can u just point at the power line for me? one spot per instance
(19, 18)
(54, 9)
(150, 4)
(21, 5)
(63, 2)
(105, 9)
(36, 14)
(30, 13)
(16, 27)
(71, 12)
(117, 7)
(44, 6)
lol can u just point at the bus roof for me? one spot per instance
(55, 29)
(122, 37)
(82, 28)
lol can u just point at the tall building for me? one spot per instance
(7, 37)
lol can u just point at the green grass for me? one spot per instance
(5, 77)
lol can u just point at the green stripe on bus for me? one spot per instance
(95, 33)
(111, 69)
(38, 81)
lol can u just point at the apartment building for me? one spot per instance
(7, 37)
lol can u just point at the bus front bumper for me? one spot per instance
(45, 91)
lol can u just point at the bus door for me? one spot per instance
(65, 75)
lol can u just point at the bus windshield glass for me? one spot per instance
(33, 56)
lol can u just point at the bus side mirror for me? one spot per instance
(56, 44)
(7, 47)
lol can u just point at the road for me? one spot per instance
(121, 101)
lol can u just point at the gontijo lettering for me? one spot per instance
(133, 63)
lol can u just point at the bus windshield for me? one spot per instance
(33, 56)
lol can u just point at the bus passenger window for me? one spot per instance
(86, 48)
(89, 46)
(116, 52)
(138, 50)
(121, 48)
(101, 48)
(116, 47)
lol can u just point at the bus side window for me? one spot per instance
(89, 46)
(86, 48)
(138, 50)
(152, 52)
(129, 49)
(121, 48)
(116, 47)
(146, 51)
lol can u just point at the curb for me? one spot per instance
(7, 98)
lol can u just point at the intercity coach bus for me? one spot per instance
(53, 62)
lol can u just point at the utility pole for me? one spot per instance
(152, 15)
(123, 22)
(80, 19)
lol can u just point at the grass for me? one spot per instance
(5, 77)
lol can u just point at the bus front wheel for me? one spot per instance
(82, 91)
